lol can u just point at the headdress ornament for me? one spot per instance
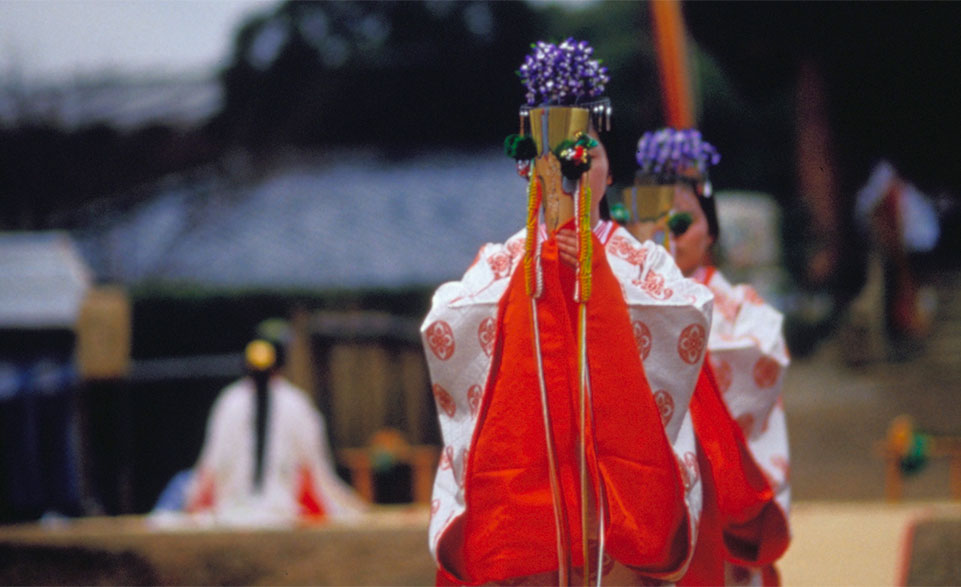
(664, 157)
(669, 154)
(564, 87)
(260, 355)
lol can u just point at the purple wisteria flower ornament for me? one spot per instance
(669, 154)
(664, 157)
(563, 99)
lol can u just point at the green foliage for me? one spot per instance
(377, 72)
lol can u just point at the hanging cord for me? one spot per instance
(533, 277)
(563, 556)
(582, 444)
(601, 493)
(582, 211)
(533, 281)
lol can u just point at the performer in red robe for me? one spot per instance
(563, 401)
(737, 411)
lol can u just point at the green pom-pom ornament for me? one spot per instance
(679, 223)
(520, 147)
(619, 213)
(575, 156)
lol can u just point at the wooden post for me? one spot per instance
(951, 447)
(893, 483)
(361, 472)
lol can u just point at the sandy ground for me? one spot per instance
(866, 543)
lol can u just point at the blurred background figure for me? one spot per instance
(45, 292)
(265, 459)
(894, 309)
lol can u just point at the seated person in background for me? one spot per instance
(265, 459)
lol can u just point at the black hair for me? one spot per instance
(710, 213)
(708, 205)
(261, 411)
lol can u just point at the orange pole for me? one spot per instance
(670, 40)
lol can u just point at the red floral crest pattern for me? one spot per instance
(434, 507)
(446, 458)
(444, 400)
(485, 335)
(746, 422)
(643, 338)
(751, 296)
(515, 247)
(474, 395)
(622, 247)
(690, 345)
(440, 339)
(500, 264)
(665, 405)
(725, 305)
(653, 284)
(766, 372)
(723, 374)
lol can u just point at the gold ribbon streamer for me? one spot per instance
(534, 195)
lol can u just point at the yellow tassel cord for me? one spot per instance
(585, 250)
(530, 244)
(584, 258)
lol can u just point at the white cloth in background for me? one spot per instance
(295, 453)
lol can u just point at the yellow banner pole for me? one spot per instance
(670, 41)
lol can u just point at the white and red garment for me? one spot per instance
(299, 481)
(492, 512)
(742, 440)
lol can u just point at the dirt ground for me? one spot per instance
(837, 414)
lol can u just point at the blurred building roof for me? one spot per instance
(42, 280)
(353, 220)
(119, 103)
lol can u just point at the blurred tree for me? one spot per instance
(402, 73)
(825, 90)
(888, 68)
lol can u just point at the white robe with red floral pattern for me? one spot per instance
(670, 319)
(749, 356)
